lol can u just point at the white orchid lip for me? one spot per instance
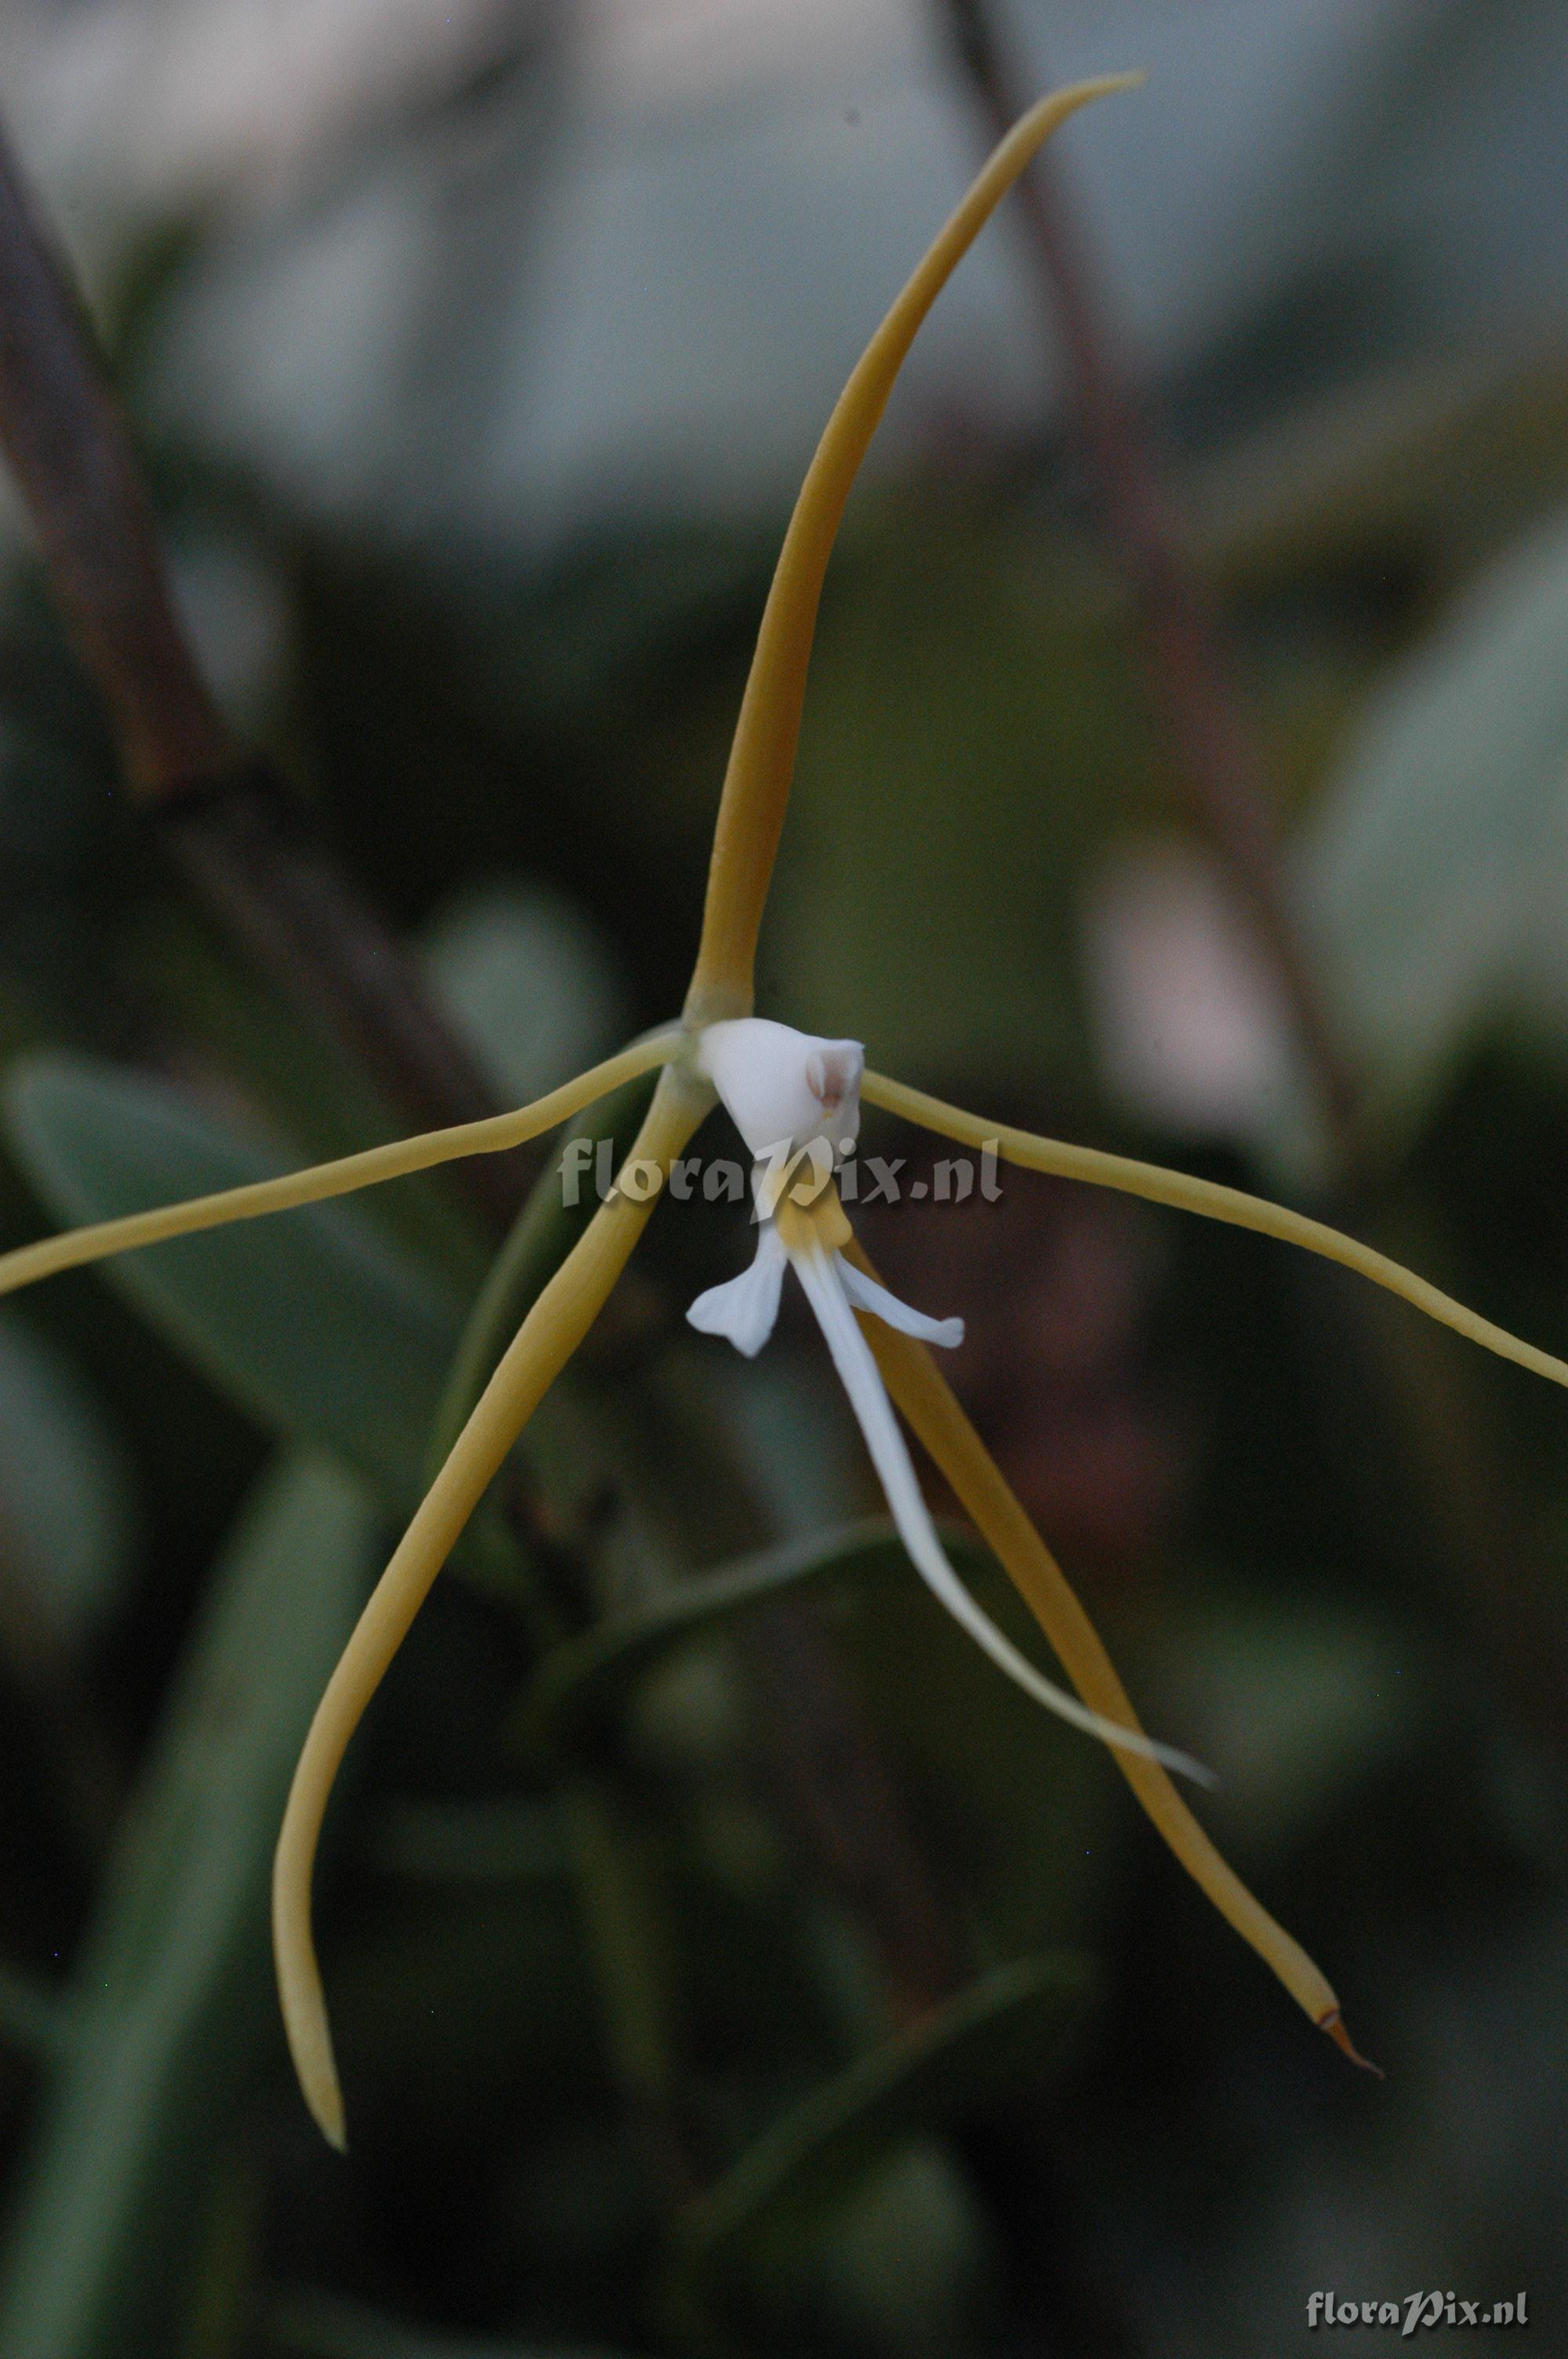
(812, 1236)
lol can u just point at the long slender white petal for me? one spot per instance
(862, 1381)
(867, 1295)
(745, 1310)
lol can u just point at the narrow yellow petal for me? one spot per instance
(923, 1396)
(756, 784)
(1158, 1186)
(27, 1263)
(543, 1344)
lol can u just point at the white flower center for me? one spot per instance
(783, 1089)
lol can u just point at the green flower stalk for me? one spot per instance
(796, 1101)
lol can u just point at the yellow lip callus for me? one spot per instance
(819, 1226)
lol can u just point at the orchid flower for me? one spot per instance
(796, 1101)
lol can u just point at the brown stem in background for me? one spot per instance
(66, 445)
(240, 836)
(1441, 1431)
(248, 848)
(1200, 711)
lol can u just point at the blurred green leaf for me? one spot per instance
(973, 725)
(1007, 2027)
(65, 1493)
(308, 1319)
(530, 983)
(583, 1684)
(171, 1988)
(1298, 1706)
(319, 1097)
(1431, 870)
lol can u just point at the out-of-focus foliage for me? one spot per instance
(1434, 872)
(168, 2008)
(68, 1499)
(752, 2223)
(319, 1331)
(721, 1958)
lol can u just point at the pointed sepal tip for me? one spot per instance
(1334, 2024)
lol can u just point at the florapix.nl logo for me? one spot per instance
(1416, 2313)
(866, 1179)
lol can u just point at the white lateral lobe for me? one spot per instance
(867, 1295)
(745, 1310)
